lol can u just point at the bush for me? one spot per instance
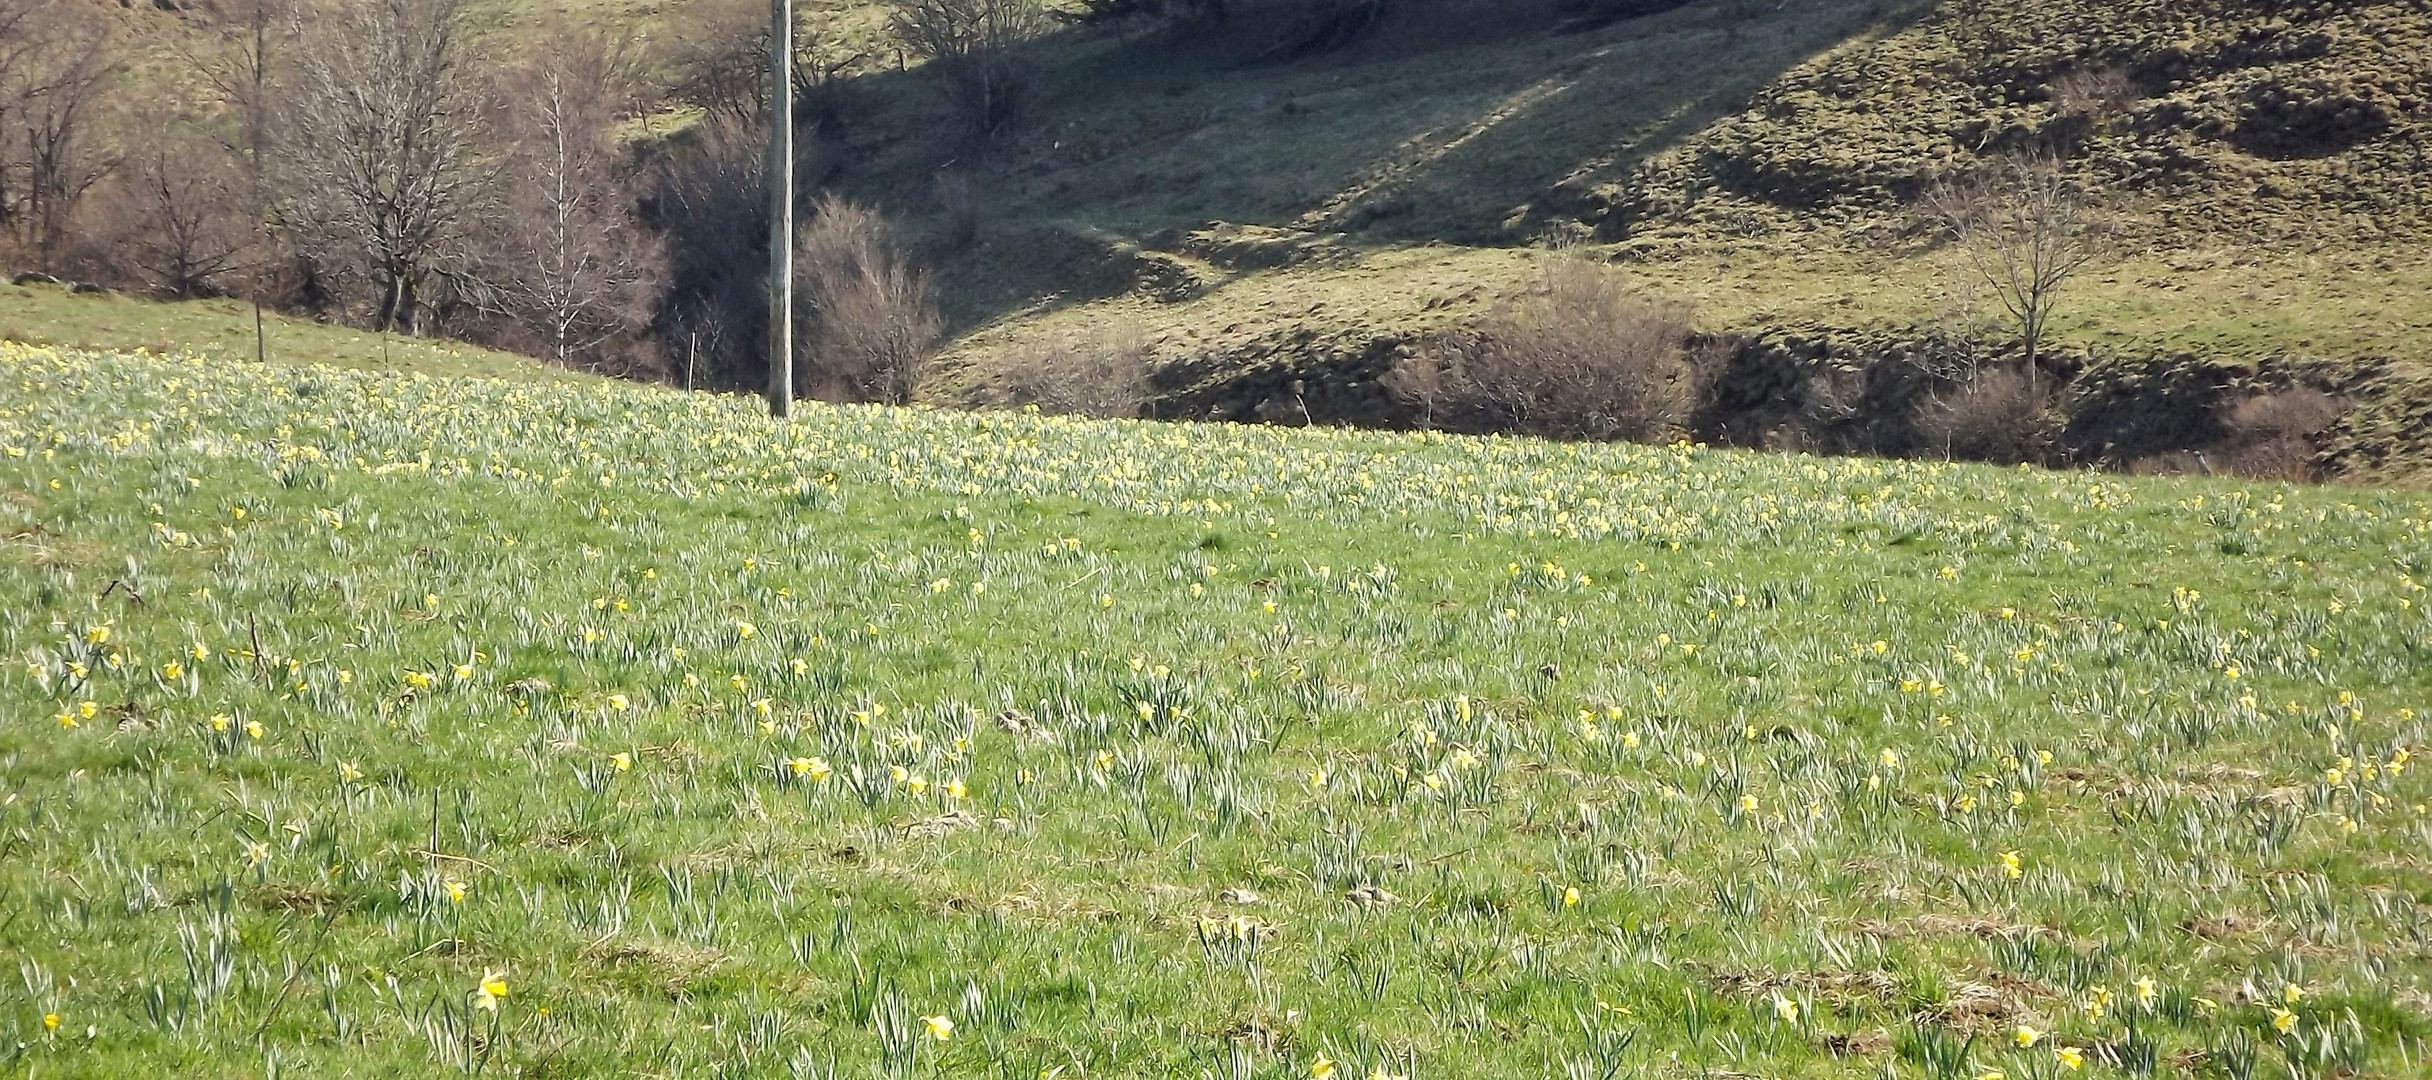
(873, 316)
(1103, 374)
(2277, 436)
(1582, 356)
(973, 46)
(1997, 414)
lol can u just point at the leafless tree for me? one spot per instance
(237, 65)
(56, 64)
(185, 214)
(385, 123)
(974, 47)
(718, 59)
(874, 315)
(570, 263)
(705, 197)
(2024, 230)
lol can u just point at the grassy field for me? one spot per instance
(362, 724)
(49, 315)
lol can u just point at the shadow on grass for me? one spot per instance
(1462, 121)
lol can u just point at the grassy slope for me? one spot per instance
(1276, 746)
(50, 315)
(1789, 212)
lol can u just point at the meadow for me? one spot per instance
(367, 724)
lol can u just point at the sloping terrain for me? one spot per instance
(398, 725)
(2262, 166)
(1279, 231)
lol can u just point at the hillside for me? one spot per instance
(400, 724)
(1279, 229)
(1265, 223)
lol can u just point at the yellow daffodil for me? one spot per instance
(493, 989)
(940, 1027)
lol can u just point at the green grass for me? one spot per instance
(50, 315)
(731, 749)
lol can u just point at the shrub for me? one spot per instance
(873, 315)
(1102, 374)
(2277, 436)
(1581, 356)
(1997, 414)
(973, 46)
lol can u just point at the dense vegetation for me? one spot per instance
(376, 724)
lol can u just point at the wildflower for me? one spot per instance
(50, 1021)
(800, 766)
(1322, 1068)
(2069, 1057)
(1889, 757)
(2145, 992)
(2284, 1021)
(492, 990)
(2011, 865)
(219, 721)
(619, 702)
(954, 789)
(2026, 1036)
(1570, 896)
(2292, 993)
(939, 1027)
(1785, 1009)
(745, 630)
(622, 760)
(2206, 1006)
(348, 773)
(455, 890)
(1748, 804)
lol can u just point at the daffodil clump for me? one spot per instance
(399, 725)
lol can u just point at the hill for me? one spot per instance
(1277, 229)
(406, 724)
(1269, 223)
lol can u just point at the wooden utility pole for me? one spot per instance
(781, 209)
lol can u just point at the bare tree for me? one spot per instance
(874, 315)
(2024, 230)
(706, 198)
(385, 177)
(186, 216)
(56, 64)
(238, 67)
(973, 44)
(571, 264)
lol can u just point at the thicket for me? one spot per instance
(410, 167)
